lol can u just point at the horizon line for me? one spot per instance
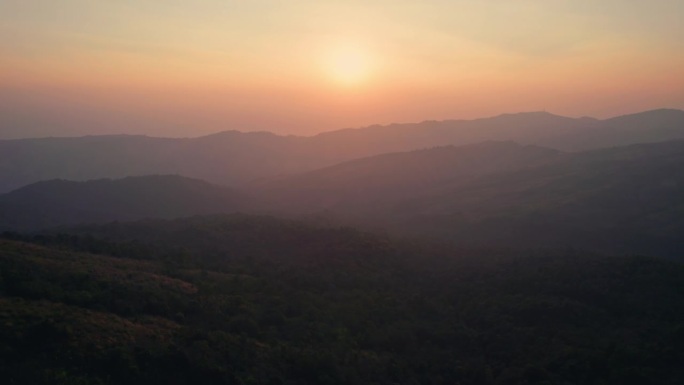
(262, 132)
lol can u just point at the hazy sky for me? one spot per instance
(187, 68)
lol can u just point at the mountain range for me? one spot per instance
(627, 199)
(235, 158)
(520, 249)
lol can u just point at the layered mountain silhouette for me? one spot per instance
(626, 199)
(59, 202)
(541, 183)
(376, 183)
(620, 200)
(235, 158)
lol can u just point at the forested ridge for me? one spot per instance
(258, 300)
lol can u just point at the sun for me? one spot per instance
(348, 65)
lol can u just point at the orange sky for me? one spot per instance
(177, 68)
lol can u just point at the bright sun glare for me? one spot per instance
(348, 65)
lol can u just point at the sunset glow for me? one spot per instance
(302, 67)
(348, 65)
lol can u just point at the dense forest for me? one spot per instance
(243, 299)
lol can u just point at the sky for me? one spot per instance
(190, 68)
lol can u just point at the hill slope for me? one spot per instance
(378, 181)
(625, 199)
(60, 202)
(351, 309)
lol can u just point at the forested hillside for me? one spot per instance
(256, 300)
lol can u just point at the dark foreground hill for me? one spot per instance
(619, 200)
(235, 158)
(60, 202)
(255, 300)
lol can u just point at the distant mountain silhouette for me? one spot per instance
(235, 158)
(617, 200)
(623, 200)
(373, 183)
(60, 202)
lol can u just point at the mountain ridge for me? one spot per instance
(235, 158)
(673, 111)
(614, 200)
